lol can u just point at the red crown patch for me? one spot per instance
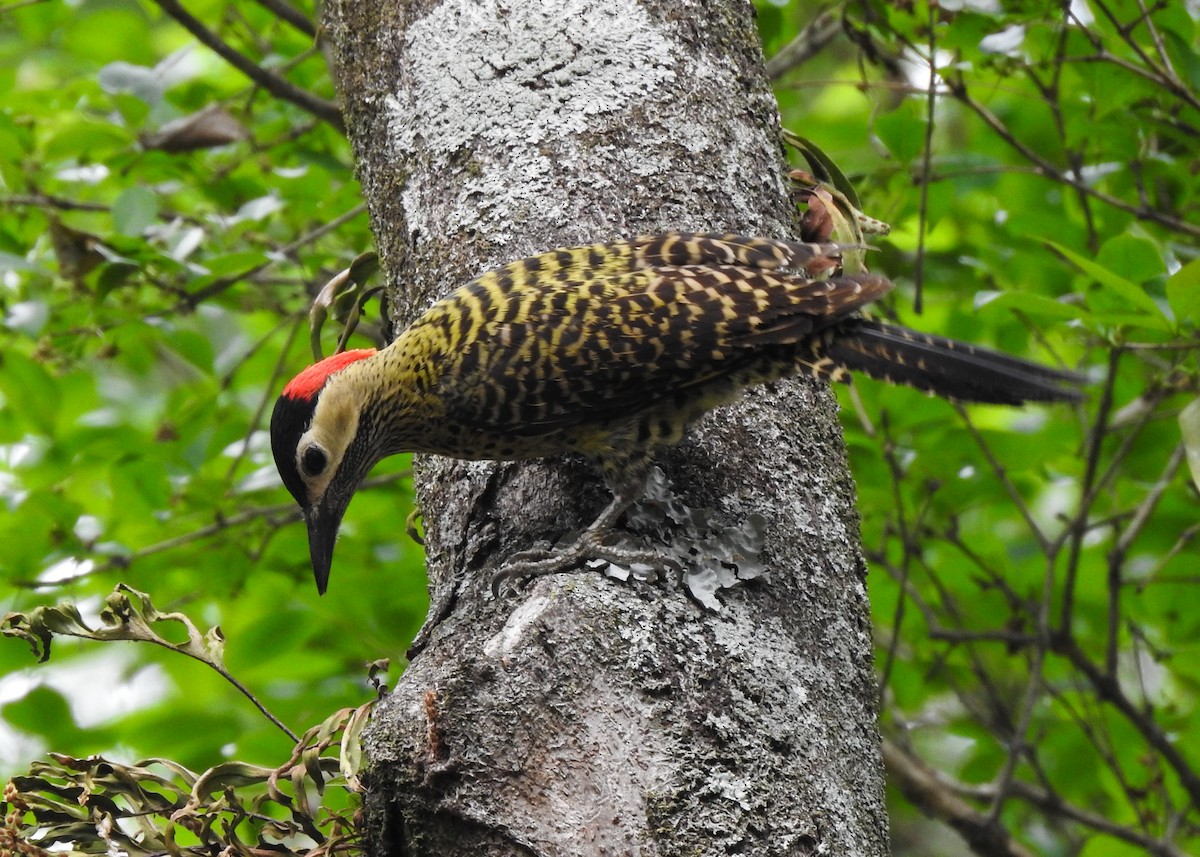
(308, 383)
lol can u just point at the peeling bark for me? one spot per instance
(590, 716)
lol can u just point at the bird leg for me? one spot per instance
(628, 483)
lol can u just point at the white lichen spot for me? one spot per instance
(471, 59)
(514, 97)
(731, 788)
(509, 637)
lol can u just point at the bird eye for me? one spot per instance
(313, 460)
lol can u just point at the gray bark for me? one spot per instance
(589, 716)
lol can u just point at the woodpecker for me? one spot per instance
(608, 351)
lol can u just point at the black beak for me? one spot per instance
(323, 521)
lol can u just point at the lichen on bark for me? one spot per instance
(589, 716)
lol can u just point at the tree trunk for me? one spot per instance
(589, 716)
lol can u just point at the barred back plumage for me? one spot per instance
(610, 350)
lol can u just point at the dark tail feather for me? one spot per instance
(954, 370)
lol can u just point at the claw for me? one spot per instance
(523, 567)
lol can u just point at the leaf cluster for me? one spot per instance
(165, 219)
(1030, 569)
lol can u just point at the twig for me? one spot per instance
(1109, 690)
(276, 372)
(272, 83)
(1078, 527)
(926, 163)
(1182, 542)
(901, 762)
(1047, 170)
(58, 202)
(217, 286)
(1002, 474)
(896, 472)
(924, 788)
(1166, 76)
(810, 41)
(286, 512)
(1116, 556)
(291, 15)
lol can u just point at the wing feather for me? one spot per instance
(580, 353)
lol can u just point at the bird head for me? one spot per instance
(320, 452)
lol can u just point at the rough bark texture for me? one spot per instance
(589, 716)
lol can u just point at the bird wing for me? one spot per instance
(533, 361)
(592, 262)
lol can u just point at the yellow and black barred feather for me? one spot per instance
(609, 350)
(559, 351)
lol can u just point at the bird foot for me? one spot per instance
(586, 551)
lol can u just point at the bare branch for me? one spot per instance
(924, 788)
(272, 83)
(810, 41)
(1077, 529)
(286, 12)
(1002, 474)
(1109, 690)
(284, 513)
(926, 165)
(1047, 170)
(217, 286)
(901, 764)
(1116, 556)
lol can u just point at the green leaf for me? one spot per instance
(1189, 429)
(1031, 304)
(135, 209)
(903, 130)
(95, 137)
(26, 381)
(1124, 291)
(822, 166)
(1183, 292)
(1134, 258)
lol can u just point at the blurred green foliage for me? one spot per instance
(154, 282)
(1030, 569)
(154, 302)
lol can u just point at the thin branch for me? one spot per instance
(1011, 639)
(896, 472)
(924, 788)
(57, 202)
(1147, 506)
(926, 165)
(286, 12)
(1164, 76)
(1156, 37)
(1185, 538)
(272, 83)
(1001, 473)
(217, 286)
(1047, 170)
(1103, 56)
(1019, 745)
(810, 41)
(1078, 526)
(284, 512)
(1116, 556)
(264, 400)
(1043, 799)
(1109, 690)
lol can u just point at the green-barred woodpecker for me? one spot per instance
(608, 350)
